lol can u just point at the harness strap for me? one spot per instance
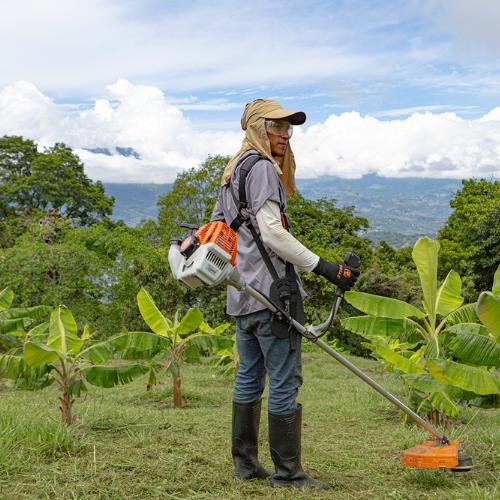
(263, 252)
(241, 201)
(240, 219)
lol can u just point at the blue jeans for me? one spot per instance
(260, 353)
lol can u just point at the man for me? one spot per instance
(266, 255)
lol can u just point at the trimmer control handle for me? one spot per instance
(191, 227)
(352, 260)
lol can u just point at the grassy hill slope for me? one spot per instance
(129, 443)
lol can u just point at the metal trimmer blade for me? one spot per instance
(434, 454)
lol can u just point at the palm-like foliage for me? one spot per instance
(15, 320)
(170, 342)
(17, 325)
(441, 349)
(68, 360)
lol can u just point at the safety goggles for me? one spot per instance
(280, 128)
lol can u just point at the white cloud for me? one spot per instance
(135, 116)
(422, 145)
(348, 145)
(211, 105)
(24, 108)
(398, 112)
(80, 45)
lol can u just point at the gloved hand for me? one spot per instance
(337, 273)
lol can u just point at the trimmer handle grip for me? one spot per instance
(352, 260)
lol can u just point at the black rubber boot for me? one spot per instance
(285, 444)
(244, 446)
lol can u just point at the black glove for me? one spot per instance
(337, 273)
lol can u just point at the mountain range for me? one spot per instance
(399, 210)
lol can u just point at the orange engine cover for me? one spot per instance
(222, 235)
(431, 455)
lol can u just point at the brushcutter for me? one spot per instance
(207, 258)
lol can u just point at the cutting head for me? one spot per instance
(433, 454)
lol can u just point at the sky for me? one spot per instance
(396, 88)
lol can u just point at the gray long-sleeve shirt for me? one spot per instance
(262, 184)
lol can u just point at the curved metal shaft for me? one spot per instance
(374, 385)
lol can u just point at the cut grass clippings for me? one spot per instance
(130, 443)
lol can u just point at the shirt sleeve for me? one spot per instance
(217, 213)
(276, 237)
(262, 184)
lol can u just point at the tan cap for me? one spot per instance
(270, 109)
(294, 117)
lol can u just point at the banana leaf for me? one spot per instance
(190, 321)
(475, 349)
(443, 402)
(448, 296)
(204, 327)
(11, 366)
(464, 314)
(6, 298)
(425, 255)
(209, 343)
(432, 348)
(109, 376)
(469, 328)
(152, 315)
(97, 353)
(469, 378)
(138, 345)
(191, 353)
(36, 313)
(496, 282)
(63, 332)
(488, 310)
(403, 364)
(382, 307)
(76, 387)
(11, 325)
(37, 354)
(367, 326)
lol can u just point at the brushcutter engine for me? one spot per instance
(206, 257)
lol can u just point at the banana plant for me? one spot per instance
(17, 325)
(170, 343)
(442, 341)
(70, 360)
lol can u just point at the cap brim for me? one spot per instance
(294, 117)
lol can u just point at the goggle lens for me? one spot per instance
(279, 128)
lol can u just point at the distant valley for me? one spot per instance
(398, 210)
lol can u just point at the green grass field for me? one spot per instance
(129, 443)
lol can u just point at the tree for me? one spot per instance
(96, 271)
(192, 197)
(470, 239)
(391, 273)
(33, 181)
